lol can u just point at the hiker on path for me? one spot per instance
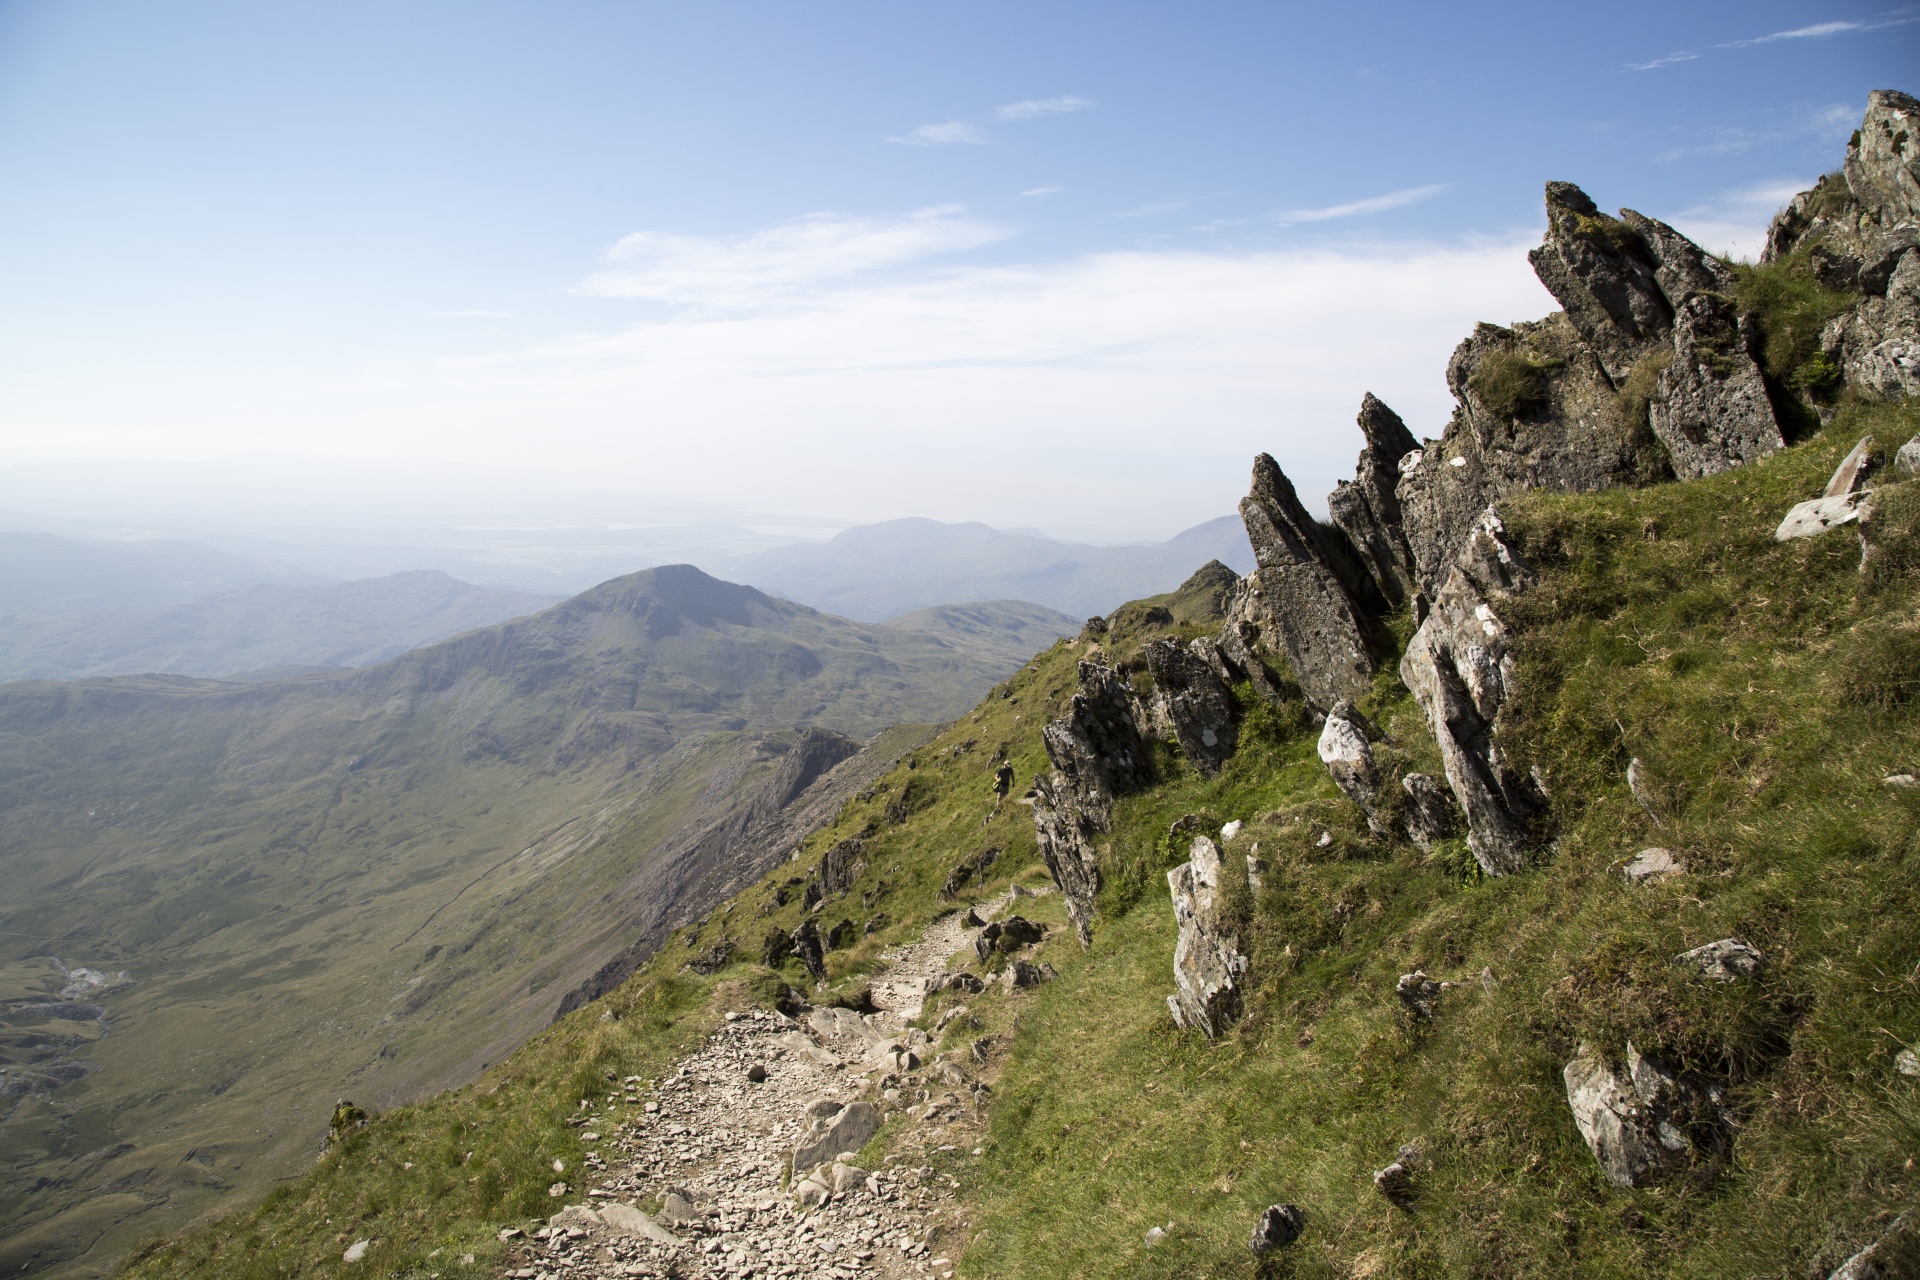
(1002, 782)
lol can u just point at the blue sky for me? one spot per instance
(1051, 265)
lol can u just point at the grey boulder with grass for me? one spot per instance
(1278, 1227)
(1190, 697)
(1727, 960)
(1710, 406)
(1367, 508)
(1207, 962)
(1644, 1124)
(1346, 748)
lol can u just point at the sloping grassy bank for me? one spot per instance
(1768, 691)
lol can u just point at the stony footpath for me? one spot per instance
(739, 1146)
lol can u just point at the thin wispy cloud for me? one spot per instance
(1813, 31)
(1044, 107)
(1036, 192)
(1821, 30)
(1360, 208)
(946, 133)
(1826, 124)
(1155, 209)
(470, 315)
(1734, 222)
(1669, 60)
(781, 262)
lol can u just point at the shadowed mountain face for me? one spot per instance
(260, 630)
(883, 570)
(368, 884)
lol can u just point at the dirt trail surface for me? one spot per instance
(714, 1145)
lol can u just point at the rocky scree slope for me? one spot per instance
(375, 883)
(1558, 920)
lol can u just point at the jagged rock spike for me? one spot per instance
(1710, 407)
(1192, 699)
(1207, 963)
(1066, 834)
(1309, 591)
(1367, 509)
(1346, 748)
(1600, 270)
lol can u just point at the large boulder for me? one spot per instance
(1191, 698)
(1310, 592)
(1207, 964)
(1646, 1124)
(1883, 160)
(1600, 269)
(1346, 748)
(1877, 344)
(1710, 407)
(1367, 509)
(1460, 671)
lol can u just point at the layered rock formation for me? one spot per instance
(1207, 963)
(1191, 698)
(1644, 1124)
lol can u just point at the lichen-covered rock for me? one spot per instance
(1645, 1125)
(1419, 994)
(1311, 592)
(1460, 671)
(1725, 960)
(1710, 407)
(1601, 271)
(1680, 267)
(1877, 344)
(1004, 937)
(1367, 509)
(1883, 160)
(1429, 815)
(806, 947)
(1652, 864)
(1534, 411)
(1096, 747)
(1067, 836)
(1207, 964)
(1278, 1227)
(1346, 748)
(1238, 648)
(1190, 697)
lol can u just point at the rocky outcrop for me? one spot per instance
(1096, 747)
(805, 945)
(1191, 698)
(1309, 593)
(1710, 407)
(1877, 344)
(1458, 667)
(1346, 748)
(1067, 836)
(1429, 815)
(1894, 1255)
(1727, 960)
(1367, 509)
(1207, 963)
(1004, 937)
(1237, 648)
(1600, 270)
(1646, 1124)
(1534, 410)
(835, 1129)
(1843, 501)
(1680, 267)
(1097, 754)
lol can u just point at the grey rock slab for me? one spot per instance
(844, 1133)
(1710, 406)
(1851, 475)
(1726, 960)
(1207, 963)
(1818, 515)
(1430, 814)
(1190, 696)
(1906, 460)
(1367, 508)
(1067, 835)
(1652, 864)
(630, 1221)
(1461, 673)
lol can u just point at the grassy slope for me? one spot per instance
(1764, 686)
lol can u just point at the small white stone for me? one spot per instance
(1907, 1063)
(1900, 780)
(1326, 838)
(1231, 830)
(356, 1251)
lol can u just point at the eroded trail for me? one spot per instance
(715, 1143)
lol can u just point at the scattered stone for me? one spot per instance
(1900, 780)
(1419, 993)
(957, 981)
(1652, 864)
(1207, 963)
(1155, 1235)
(1257, 869)
(1817, 515)
(1230, 830)
(678, 1211)
(1004, 937)
(1645, 1125)
(630, 1221)
(1727, 960)
(557, 1190)
(1395, 1182)
(356, 1251)
(1024, 973)
(1641, 789)
(508, 1233)
(1906, 461)
(757, 1073)
(1278, 1227)
(1907, 1063)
